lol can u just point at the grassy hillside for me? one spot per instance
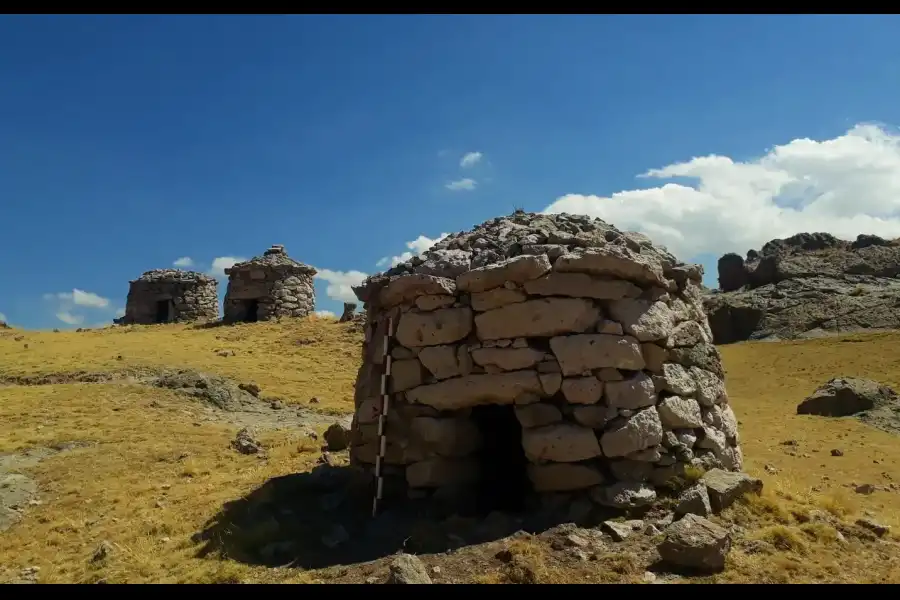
(153, 468)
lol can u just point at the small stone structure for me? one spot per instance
(269, 286)
(542, 354)
(169, 296)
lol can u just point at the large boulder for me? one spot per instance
(805, 286)
(845, 396)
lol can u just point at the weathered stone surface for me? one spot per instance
(472, 390)
(508, 359)
(610, 327)
(442, 361)
(184, 296)
(536, 318)
(710, 388)
(613, 261)
(495, 298)
(269, 286)
(581, 285)
(405, 289)
(434, 302)
(695, 543)
(642, 430)
(563, 477)
(679, 413)
(646, 321)
(551, 382)
(634, 471)
(633, 393)
(677, 379)
(694, 500)
(845, 396)
(654, 357)
(624, 494)
(406, 374)
(560, 443)
(594, 416)
(407, 569)
(438, 472)
(435, 328)
(725, 487)
(537, 415)
(608, 374)
(582, 390)
(689, 333)
(579, 353)
(517, 270)
(450, 437)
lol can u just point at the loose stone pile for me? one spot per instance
(594, 337)
(269, 286)
(171, 295)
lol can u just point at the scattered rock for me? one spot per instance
(724, 487)
(408, 569)
(695, 543)
(622, 530)
(837, 452)
(845, 396)
(337, 437)
(873, 526)
(694, 500)
(251, 388)
(245, 443)
(103, 551)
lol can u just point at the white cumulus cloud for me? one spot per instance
(326, 314)
(69, 319)
(470, 159)
(461, 185)
(184, 261)
(68, 306)
(221, 263)
(845, 186)
(340, 283)
(416, 247)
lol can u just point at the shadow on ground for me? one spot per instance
(322, 518)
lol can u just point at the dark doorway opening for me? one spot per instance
(503, 483)
(163, 311)
(251, 311)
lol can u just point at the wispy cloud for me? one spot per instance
(221, 263)
(326, 314)
(68, 306)
(470, 159)
(416, 247)
(184, 261)
(459, 185)
(340, 283)
(2, 317)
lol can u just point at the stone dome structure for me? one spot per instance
(540, 354)
(169, 296)
(269, 286)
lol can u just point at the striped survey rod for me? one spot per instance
(382, 417)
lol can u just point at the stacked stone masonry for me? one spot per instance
(595, 338)
(171, 295)
(269, 286)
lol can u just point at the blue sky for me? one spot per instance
(128, 142)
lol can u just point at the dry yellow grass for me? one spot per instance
(154, 474)
(296, 359)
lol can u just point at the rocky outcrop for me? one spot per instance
(594, 338)
(269, 286)
(171, 296)
(806, 285)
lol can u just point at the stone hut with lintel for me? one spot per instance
(170, 296)
(269, 286)
(541, 355)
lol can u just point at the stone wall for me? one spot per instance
(269, 286)
(180, 295)
(596, 339)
